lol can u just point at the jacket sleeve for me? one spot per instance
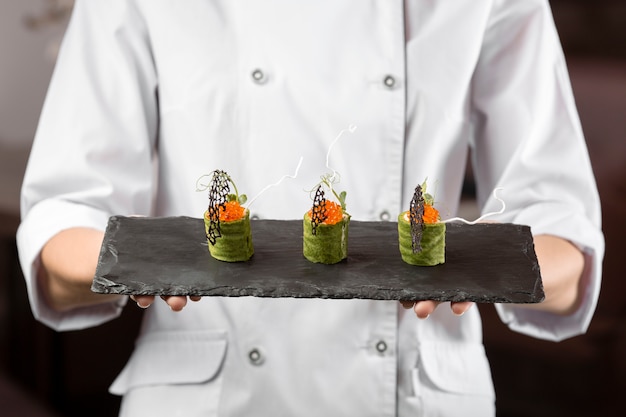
(93, 152)
(528, 141)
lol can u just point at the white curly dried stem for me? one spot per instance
(484, 216)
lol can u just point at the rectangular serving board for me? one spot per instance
(485, 263)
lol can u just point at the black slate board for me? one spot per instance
(487, 263)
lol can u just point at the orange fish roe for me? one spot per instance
(431, 215)
(231, 211)
(334, 214)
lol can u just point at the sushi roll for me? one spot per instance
(325, 230)
(227, 222)
(421, 233)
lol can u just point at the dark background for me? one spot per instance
(44, 373)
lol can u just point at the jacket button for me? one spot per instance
(255, 356)
(258, 76)
(381, 346)
(385, 216)
(389, 81)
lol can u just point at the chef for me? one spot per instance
(149, 95)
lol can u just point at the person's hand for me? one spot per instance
(423, 309)
(176, 303)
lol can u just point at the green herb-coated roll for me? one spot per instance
(433, 243)
(235, 241)
(329, 244)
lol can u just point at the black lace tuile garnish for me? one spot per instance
(318, 212)
(218, 196)
(416, 218)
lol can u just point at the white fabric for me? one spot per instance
(488, 75)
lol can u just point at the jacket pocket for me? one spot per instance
(167, 358)
(456, 368)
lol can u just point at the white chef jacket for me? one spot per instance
(149, 95)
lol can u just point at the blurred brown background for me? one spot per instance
(43, 373)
